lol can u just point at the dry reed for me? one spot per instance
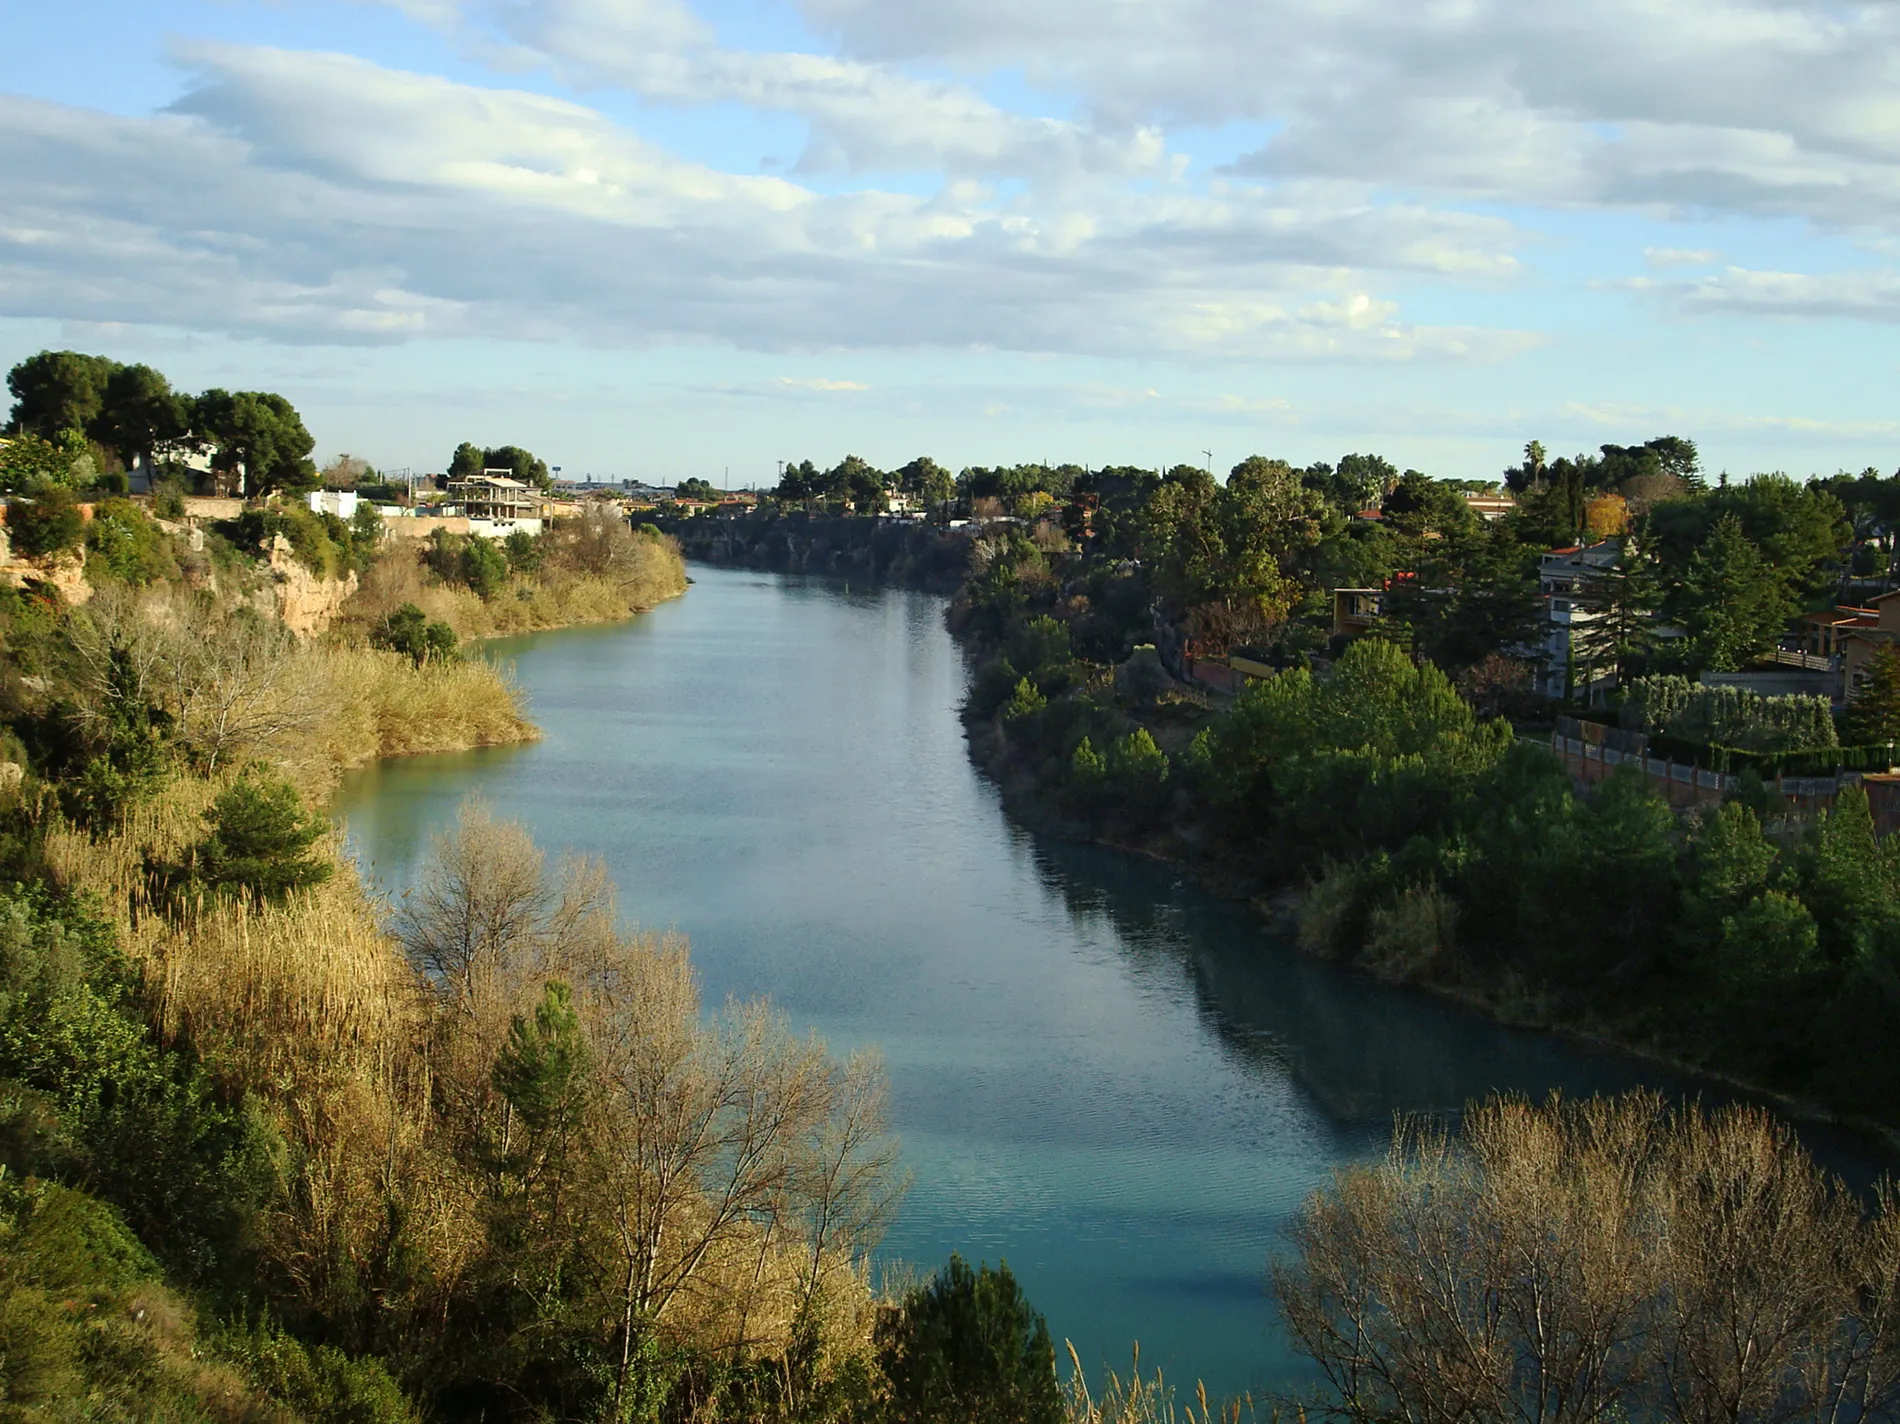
(644, 573)
(1141, 1400)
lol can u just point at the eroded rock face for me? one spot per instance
(64, 571)
(307, 603)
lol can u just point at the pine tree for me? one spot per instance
(1731, 600)
(1875, 715)
(260, 839)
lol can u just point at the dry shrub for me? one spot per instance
(731, 1177)
(237, 687)
(383, 705)
(311, 1010)
(722, 1186)
(1408, 936)
(1614, 1259)
(595, 570)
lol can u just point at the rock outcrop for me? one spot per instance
(308, 603)
(64, 571)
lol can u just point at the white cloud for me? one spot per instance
(1681, 256)
(1752, 106)
(1623, 417)
(862, 117)
(1871, 294)
(321, 197)
(820, 383)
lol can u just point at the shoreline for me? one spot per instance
(1276, 910)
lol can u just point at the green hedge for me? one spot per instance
(1818, 762)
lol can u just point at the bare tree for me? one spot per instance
(234, 682)
(729, 1171)
(1596, 1262)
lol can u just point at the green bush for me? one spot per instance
(87, 1097)
(1136, 762)
(968, 1346)
(1086, 764)
(1728, 716)
(127, 545)
(484, 567)
(409, 632)
(168, 499)
(322, 543)
(524, 552)
(1025, 701)
(46, 521)
(260, 839)
(994, 684)
(29, 460)
(324, 1385)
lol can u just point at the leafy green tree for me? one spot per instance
(696, 488)
(1850, 880)
(467, 460)
(141, 415)
(1473, 596)
(524, 552)
(521, 464)
(1799, 531)
(260, 839)
(29, 460)
(1086, 764)
(799, 482)
(1729, 601)
(1417, 504)
(1874, 715)
(1362, 481)
(88, 1098)
(1221, 554)
(1625, 598)
(484, 567)
(57, 391)
(1765, 947)
(366, 525)
(1137, 763)
(408, 631)
(1728, 864)
(1024, 702)
(46, 521)
(969, 1346)
(928, 480)
(258, 437)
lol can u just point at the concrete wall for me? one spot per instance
(421, 527)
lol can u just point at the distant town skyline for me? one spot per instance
(653, 240)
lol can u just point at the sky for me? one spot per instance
(673, 238)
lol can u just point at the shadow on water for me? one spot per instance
(1363, 1053)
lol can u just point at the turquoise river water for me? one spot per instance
(1115, 1081)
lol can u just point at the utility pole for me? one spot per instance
(1210, 463)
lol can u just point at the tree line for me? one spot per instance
(69, 406)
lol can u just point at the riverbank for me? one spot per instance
(901, 553)
(1041, 790)
(597, 571)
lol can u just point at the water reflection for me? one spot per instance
(1121, 1084)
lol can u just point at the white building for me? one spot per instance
(1567, 577)
(341, 503)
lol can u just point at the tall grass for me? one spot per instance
(644, 573)
(312, 1012)
(386, 706)
(1141, 1400)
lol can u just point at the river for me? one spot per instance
(1116, 1082)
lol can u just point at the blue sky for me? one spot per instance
(666, 238)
